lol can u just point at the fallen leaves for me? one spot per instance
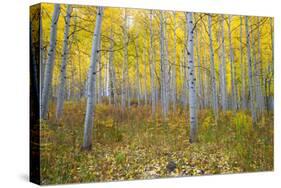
(131, 148)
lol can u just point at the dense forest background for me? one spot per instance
(131, 93)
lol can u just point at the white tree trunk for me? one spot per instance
(259, 75)
(152, 67)
(242, 68)
(61, 88)
(173, 69)
(111, 69)
(164, 66)
(223, 68)
(50, 64)
(213, 73)
(232, 66)
(89, 117)
(192, 80)
(253, 110)
(124, 85)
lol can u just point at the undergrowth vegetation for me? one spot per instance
(133, 145)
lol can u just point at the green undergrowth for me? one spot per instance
(132, 144)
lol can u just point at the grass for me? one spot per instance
(132, 144)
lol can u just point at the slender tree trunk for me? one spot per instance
(50, 64)
(223, 69)
(206, 82)
(192, 80)
(173, 70)
(250, 71)
(164, 65)
(61, 88)
(124, 85)
(232, 66)
(111, 69)
(138, 83)
(152, 66)
(108, 80)
(213, 73)
(184, 65)
(242, 68)
(259, 74)
(89, 117)
(99, 92)
(144, 77)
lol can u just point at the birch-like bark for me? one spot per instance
(50, 64)
(164, 66)
(213, 73)
(253, 111)
(242, 68)
(124, 85)
(173, 69)
(89, 117)
(152, 66)
(99, 91)
(61, 88)
(254, 73)
(223, 68)
(192, 80)
(111, 69)
(259, 74)
(232, 67)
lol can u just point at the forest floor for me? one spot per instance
(133, 145)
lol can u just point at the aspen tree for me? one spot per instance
(89, 117)
(48, 75)
(191, 80)
(61, 88)
(250, 79)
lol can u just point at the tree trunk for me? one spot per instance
(61, 88)
(250, 71)
(152, 66)
(223, 69)
(232, 66)
(89, 117)
(111, 69)
(164, 66)
(173, 69)
(259, 74)
(144, 77)
(50, 64)
(124, 85)
(213, 73)
(242, 68)
(138, 83)
(192, 80)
